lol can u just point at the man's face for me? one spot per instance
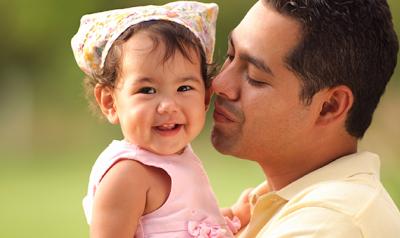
(258, 113)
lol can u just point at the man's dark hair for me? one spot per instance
(343, 42)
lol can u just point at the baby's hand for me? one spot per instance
(241, 208)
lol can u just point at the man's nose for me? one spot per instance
(167, 105)
(227, 83)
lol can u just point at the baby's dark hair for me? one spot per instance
(174, 37)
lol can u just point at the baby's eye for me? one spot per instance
(184, 88)
(147, 90)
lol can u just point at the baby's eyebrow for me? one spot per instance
(190, 79)
(142, 80)
(185, 79)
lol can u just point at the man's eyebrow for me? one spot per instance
(258, 63)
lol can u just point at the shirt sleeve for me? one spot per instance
(312, 222)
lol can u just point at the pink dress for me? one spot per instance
(191, 209)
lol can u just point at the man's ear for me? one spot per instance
(106, 101)
(207, 99)
(336, 104)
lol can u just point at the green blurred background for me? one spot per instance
(50, 139)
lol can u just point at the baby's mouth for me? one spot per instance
(168, 127)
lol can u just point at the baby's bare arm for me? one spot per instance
(120, 201)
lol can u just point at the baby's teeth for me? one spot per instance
(168, 126)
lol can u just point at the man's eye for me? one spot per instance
(256, 83)
(147, 90)
(229, 57)
(184, 88)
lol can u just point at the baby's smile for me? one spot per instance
(168, 129)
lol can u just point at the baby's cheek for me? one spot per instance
(198, 122)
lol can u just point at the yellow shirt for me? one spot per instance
(342, 199)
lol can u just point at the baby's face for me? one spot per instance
(160, 106)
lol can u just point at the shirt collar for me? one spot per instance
(342, 168)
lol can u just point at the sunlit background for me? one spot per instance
(50, 139)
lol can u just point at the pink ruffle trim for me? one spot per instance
(206, 230)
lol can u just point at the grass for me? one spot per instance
(41, 198)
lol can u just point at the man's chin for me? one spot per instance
(221, 142)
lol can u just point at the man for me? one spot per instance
(298, 89)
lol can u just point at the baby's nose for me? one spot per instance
(167, 105)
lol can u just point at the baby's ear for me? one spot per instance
(207, 99)
(106, 101)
